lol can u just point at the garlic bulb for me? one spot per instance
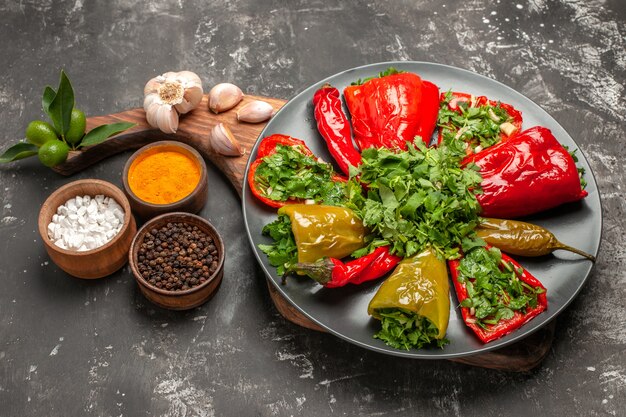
(224, 96)
(223, 141)
(168, 95)
(256, 111)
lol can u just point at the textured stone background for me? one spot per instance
(75, 348)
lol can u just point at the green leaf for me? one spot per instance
(101, 133)
(60, 109)
(403, 329)
(20, 150)
(46, 100)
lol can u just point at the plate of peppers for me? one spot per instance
(421, 210)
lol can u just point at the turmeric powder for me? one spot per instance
(162, 176)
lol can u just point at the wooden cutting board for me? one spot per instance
(194, 130)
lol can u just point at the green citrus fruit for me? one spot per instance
(77, 127)
(53, 152)
(39, 132)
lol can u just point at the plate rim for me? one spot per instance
(414, 353)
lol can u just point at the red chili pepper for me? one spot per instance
(334, 127)
(527, 174)
(429, 111)
(503, 327)
(387, 111)
(333, 273)
(477, 101)
(267, 147)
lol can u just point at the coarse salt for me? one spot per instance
(84, 223)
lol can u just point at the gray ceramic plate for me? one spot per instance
(343, 311)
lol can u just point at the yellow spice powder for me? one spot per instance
(163, 177)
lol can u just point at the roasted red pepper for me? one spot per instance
(527, 174)
(429, 110)
(492, 332)
(455, 98)
(266, 148)
(390, 111)
(334, 127)
(333, 273)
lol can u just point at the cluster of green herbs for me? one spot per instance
(581, 170)
(416, 199)
(289, 173)
(475, 125)
(388, 71)
(282, 252)
(494, 290)
(402, 329)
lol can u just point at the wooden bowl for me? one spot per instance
(95, 263)
(192, 203)
(185, 299)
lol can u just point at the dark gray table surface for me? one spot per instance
(70, 347)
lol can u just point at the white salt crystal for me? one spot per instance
(86, 223)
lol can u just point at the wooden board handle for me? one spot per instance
(194, 130)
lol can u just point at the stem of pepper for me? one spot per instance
(574, 250)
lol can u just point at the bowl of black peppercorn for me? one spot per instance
(177, 260)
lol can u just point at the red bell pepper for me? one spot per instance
(527, 174)
(514, 115)
(504, 326)
(429, 111)
(266, 148)
(333, 273)
(390, 111)
(334, 127)
(268, 145)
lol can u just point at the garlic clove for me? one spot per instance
(152, 85)
(223, 141)
(191, 99)
(224, 96)
(256, 111)
(166, 118)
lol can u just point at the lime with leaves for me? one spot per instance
(39, 132)
(53, 152)
(78, 122)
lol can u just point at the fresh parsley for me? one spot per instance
(416, 199)
(288, 173)
(581, 170)
(476, 126)
(283, 252)
(493, 286)
(402, 329)
(388, 71)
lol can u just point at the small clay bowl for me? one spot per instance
(192, 203)
(95, 263)
(185, 299)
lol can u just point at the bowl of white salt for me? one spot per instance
(87, 228)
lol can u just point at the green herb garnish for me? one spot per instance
(402, 329)
(289, 173)
(477, 126)
(388, 71)
(283, 252)
(417, 198)
(494, 290)
(581, 170)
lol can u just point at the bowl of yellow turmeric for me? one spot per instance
(163, 177)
